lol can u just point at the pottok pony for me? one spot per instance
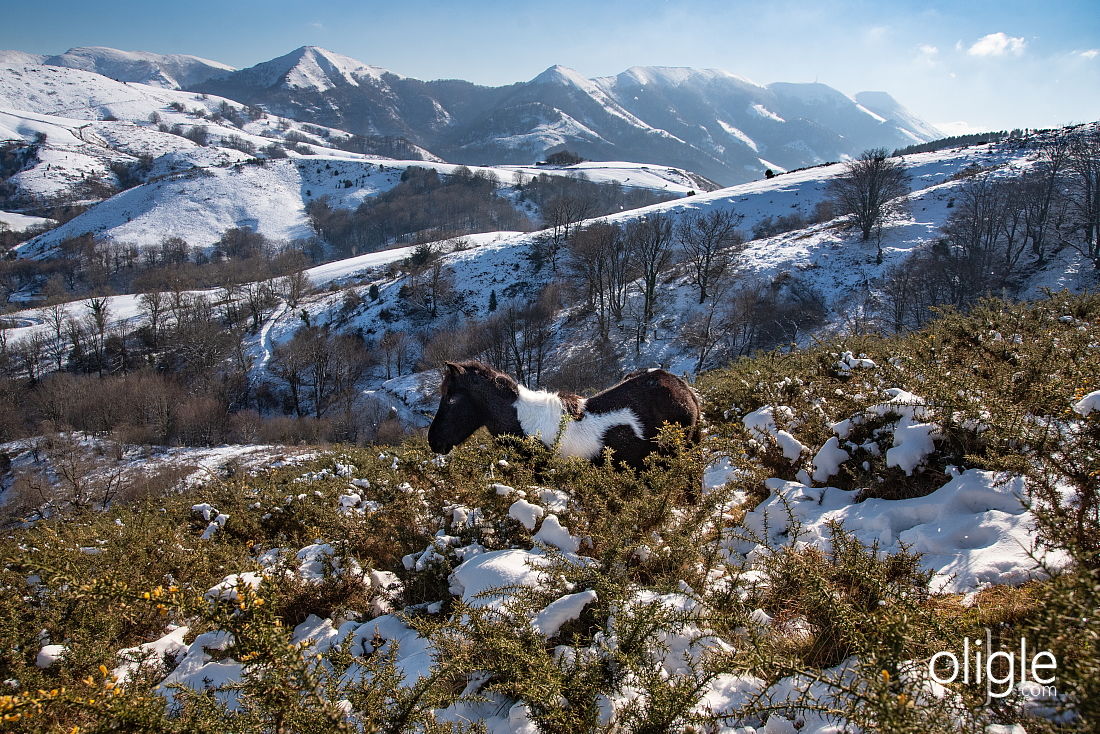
(625, 418)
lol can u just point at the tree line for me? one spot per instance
(1003, 227)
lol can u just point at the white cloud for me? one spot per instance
(1092, 53)
(877, 33)
(997, 44)
(927, 56)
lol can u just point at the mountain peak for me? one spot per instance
(562, 75)
(313, 67)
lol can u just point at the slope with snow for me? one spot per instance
(825, 258)
(171, 71)
(199, 199)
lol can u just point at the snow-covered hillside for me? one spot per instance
(80, 122)
(79, 127)
(826, 258)
(220, 188)
(171, 71)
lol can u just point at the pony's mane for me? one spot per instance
(482, 370)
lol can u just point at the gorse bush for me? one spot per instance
(393, 590)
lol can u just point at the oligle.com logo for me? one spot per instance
(1002, 671)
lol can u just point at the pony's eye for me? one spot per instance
(452, 400)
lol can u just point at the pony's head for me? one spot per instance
(472, 395)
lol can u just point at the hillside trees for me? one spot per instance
(517, 338)
(650, 241)
(869, 190)
(429, 284)
(999, 229)
(600, 259)
(423, 206)
(320, 369)
(563, 158)
(1084, 194)
(565, 201)
(709, 243)
(527, 330)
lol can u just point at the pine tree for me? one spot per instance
(492, 301)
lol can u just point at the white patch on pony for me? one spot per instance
(539, 414)
(584, 437)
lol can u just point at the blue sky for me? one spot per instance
(985, 64)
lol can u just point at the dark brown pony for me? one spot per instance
(625, 418)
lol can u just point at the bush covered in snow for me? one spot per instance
(865, 504)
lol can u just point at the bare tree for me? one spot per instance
(31, 351)
(292, 287)
(600, 257)
(438, 287)
(1084, 163)
(529, 331)
(98, 323)
(289, 363)
(649, 241)
(54, 317)
(869, 190)
(259, 297)
(705, 331)
(155, 305)
(559, 215)
(396, 350)
(1044, 202)
(710, 243)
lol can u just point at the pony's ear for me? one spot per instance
(453, 369)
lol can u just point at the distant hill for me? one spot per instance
(171, 71)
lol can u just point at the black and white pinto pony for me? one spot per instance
(625, 418)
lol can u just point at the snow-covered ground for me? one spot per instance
(974, 531)
(186, 466)
(17, 222)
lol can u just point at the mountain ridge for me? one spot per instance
(667, 115)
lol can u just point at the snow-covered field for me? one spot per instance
(98, 459)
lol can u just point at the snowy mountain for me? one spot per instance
(87, 126)
(882, 104)
(171, 71)
(309, 68)
(723, 126)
